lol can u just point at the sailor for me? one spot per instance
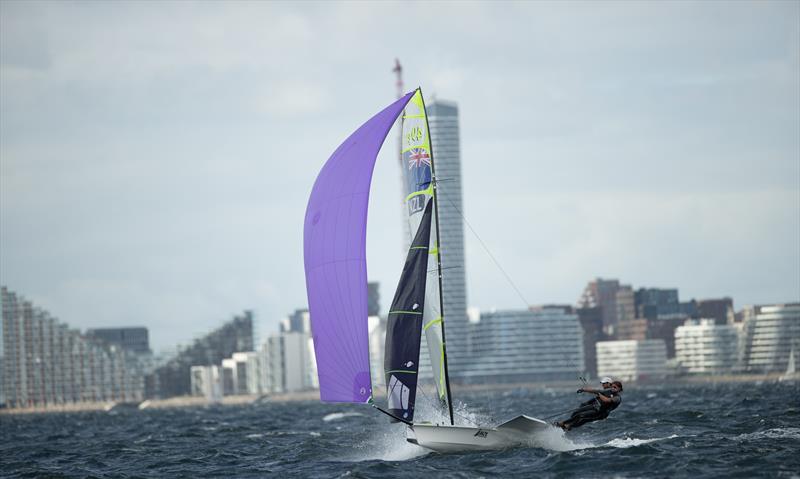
(605, 386)
(599, 407)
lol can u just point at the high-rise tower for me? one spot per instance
(443, 123)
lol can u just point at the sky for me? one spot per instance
(156, 157)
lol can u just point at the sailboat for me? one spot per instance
(336, 284)
(791, 368)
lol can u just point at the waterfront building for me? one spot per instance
(377, 340)
(770, 332)
(602, 293)
(656, 302)
(704, 347)
(207, 382)
(46, 363)
(632, 360)
(374, 297)
(241, 374)
(299, 322)
(720, 310)
(272, 372)
(636, 329)
(538, 344)
(662, 303)
(445, 138)
(626, 306)
(132, 339)
(664, 329)
(287, 363)
(591, 320)
(174, 377)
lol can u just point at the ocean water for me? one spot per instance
(722, 430)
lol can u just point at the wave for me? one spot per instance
(554, 439)
(775, 433)
(336, 416)
(623, 443)
(385, 444)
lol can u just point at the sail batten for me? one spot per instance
(334, 237)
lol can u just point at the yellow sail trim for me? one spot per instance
(424, 146)
(427, 191)
(431, 323)
(442, 390)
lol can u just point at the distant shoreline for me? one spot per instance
(313, 395)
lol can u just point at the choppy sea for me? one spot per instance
(713, 430)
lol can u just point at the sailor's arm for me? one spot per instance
(591, 391)
(603, 399)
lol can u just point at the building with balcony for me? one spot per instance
(770, 333)
(132, 339)
(45, 363)
(704, 347)
(207, 382)
(632, 360)
(538, 344)
(173, 378)
(288, 363)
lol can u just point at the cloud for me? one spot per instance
(155, 160)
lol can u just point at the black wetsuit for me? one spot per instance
(593, 410)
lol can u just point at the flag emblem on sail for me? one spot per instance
(418, 157)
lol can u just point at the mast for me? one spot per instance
(438, 261)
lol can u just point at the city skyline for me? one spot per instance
(155, 172)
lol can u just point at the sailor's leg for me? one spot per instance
(579, 420)
(583, 410)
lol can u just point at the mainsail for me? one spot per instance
(334, 236)
(404, 325)
(418, 172)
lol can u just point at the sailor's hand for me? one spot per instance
(579, 391)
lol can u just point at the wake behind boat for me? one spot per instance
(336, 282)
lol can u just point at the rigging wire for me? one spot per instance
(428, 398)
(486, 248)
(497, 263)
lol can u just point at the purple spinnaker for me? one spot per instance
(335, 237)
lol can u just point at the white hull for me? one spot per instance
(445, 438)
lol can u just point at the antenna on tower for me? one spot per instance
(398, 69)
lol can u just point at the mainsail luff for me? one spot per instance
(439, 266)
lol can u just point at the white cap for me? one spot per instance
(606, 380)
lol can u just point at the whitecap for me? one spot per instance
(623, 443)
(335, 416)
(554, 439)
